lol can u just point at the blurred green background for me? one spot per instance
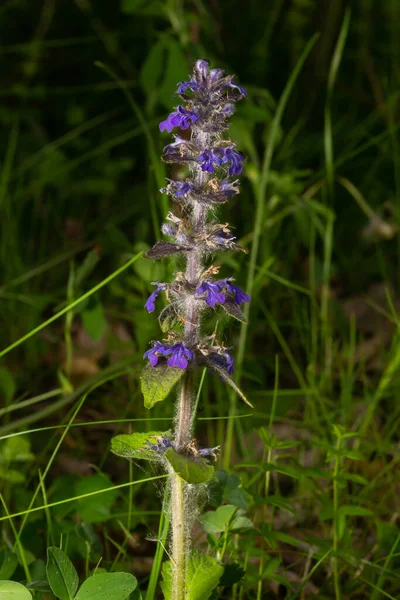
(84, 85)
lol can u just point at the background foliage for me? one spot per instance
(312, 473)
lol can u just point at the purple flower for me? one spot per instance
(212, 452)
(229, 188)
(151, 299)
(234, 157)
(162, 444)
(202, 67)
(239, 295)
(174, 145)
(238, 87)
(228, 109)
(182, 188)
(187, 85)
(224, 360)
(169, 229)
(216, 75)
(155, 352)
(182, 117)
(179, 355)
(222, 237)
(213, 291)
(208, 159)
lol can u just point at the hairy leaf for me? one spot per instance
(202, 576)
(191, 470)
(168, 318)
(61, 574)
(133, 445)
(225, 377)
(107, 586)
(158, 381)
(234, 310)
(161, 249)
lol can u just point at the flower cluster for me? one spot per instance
(212, 162)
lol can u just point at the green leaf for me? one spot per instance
(7, 385)
(133, 445)
(17, 449)
(86, 267)
(355, 511)
(192, 470)
(61, 574)
(202, 576)
(166, 583)
(176, 70)
(217, 521)
(168, 318)
(241, 523)
(107, 586)
(8, 563)
(95, 508)
(93, 319)
(232, 574)
(141, 7)
(153, 68)
(11, 475)
(225, 377)
(158, 381)
(11, 590)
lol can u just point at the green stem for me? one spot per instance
(336, 524)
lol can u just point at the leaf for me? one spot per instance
(279, 502)
(191, 470)
(355, 511)
(241, 523)
(39, 586)
(225, 377)
(234, 310)
(7, 385)
(288, 470)
(161, 249)
(166, 583)
(168, 318)
(107, 586)
(61, 574)
(133, 445)
(202, 576)
(175, 70)
(11, 590)
(217, 521)
(95, 508)
(17, 449)
(11, 475)
(93, 319)
(158, 381)
(232, 574)
(153, 68)
(149, 7)
(8, 563)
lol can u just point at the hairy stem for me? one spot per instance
(178, 537)
(184, 420)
